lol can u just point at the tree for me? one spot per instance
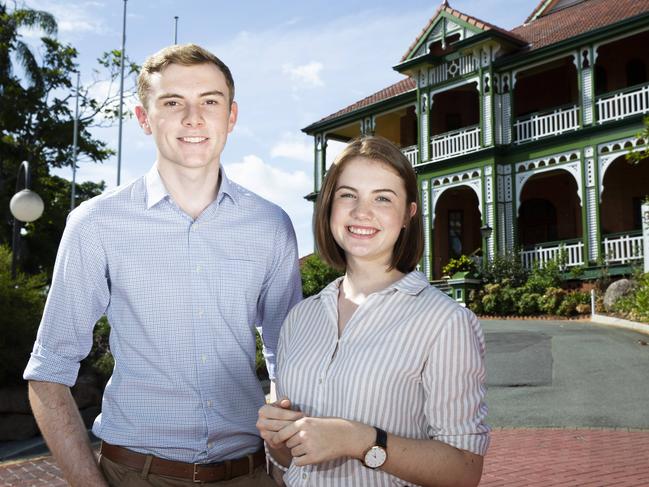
(636, 156)
(37, 119)
(316, 275)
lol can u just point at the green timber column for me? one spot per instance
(320, 165)
(425, 214)
(488, 211)
(507, 104)
(486, 110)
(591, 222)
(585, 62)
(424, 133)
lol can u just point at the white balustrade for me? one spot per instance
(456, 143)
(541, 125)
(623, 104)
(567, 255)
(623, 249)
(412, 154)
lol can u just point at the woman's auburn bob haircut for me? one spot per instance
(409, 247)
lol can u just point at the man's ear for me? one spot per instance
(234, 113)
(143, 119)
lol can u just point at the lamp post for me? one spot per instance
(485, 231)
(25, 206)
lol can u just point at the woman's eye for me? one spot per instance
(383, 199)
(346, 195)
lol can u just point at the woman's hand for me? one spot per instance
(273, 418)
(317, 440)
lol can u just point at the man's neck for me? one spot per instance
(193, 190)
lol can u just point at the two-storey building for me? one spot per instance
(519, 136)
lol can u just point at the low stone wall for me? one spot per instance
(17, 421)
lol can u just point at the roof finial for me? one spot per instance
(445, 3)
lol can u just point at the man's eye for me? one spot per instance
(211, 102)
(171, 103)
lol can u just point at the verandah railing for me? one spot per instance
(411, 153)
(623, 249)
(456, 143)
(567, 254)
(538, 125)
(623, 103)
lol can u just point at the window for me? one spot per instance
(455, 218)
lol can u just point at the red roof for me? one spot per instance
(578, 19)
(547, 29)
(403, 86)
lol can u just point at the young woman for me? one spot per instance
(381, 375)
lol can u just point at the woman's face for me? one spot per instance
(369, 210)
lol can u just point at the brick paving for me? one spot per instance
(517, 457)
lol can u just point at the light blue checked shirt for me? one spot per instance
(183, 298)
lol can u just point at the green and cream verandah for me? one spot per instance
(521, 133)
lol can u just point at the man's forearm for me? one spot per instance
(60, 423)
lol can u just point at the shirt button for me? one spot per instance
(194, 227)
(304, 476)
(200, 312)
(209, 404)
(198, 268)
(319, 381)
(204, 358)
(209, 446)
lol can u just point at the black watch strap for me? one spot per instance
(381, 438)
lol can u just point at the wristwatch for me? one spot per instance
(377, 454)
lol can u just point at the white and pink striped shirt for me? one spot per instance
(410, 361)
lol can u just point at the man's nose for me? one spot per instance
(193, 116)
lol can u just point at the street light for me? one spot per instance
(25, 206)
(485, 231)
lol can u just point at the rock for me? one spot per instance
(14, 400)
(615, 291)
(17, 427)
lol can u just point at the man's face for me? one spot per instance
(188, 114)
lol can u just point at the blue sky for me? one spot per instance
(293, 62)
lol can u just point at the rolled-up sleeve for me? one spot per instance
(78, 297)
(454, 381)
(282, 290)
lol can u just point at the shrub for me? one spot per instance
(572, 301)
(528, 303)
(21, 302)
(635, 305)
(505, 268)
(461, 264)
(543, 278)
(551, 300)
(316, 275)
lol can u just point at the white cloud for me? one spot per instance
(299, 148)
(74, 18)
(284, 188)
(306, 74)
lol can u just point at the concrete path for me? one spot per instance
(585, 385)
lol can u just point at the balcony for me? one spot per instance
(623, 103)
(568, 254)
(412, 154)
(546, 124)
(456, 143)
(623, 249)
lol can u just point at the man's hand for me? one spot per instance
(273, 418)
(317, 440)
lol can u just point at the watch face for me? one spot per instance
(375, 457)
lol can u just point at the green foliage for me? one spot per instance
(636, 156)
(528, 304)
(543, 278)
(260, 362)
(635, 305)
(100, 359)
(551, 299)
(316, 275)
(506, 268)
(21, 302)
(463, 263)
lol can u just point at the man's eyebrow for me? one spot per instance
(165, 96)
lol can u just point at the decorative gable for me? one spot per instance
(441, 31)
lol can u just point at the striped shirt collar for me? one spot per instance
(156, 190)
(412, 283)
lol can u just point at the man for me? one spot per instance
(184, 263)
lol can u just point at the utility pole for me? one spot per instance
(74, 147)
(121, 97)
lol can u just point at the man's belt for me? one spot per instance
(196, 472)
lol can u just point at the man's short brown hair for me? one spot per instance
(409, 247)
(185, 55)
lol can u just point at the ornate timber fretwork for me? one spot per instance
(584, 60)
(591, 204)
(487, 87)
(567, 161)
(453, 68)
(424, 120)
(490, 208)
(368, 125)
(471, 178)
(504, 198)
(506, 107)
(425, 213)
(320, 159)
(610, 151)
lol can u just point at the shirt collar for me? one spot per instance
(412, 283)
(156, 190)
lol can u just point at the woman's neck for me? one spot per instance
(361, 281)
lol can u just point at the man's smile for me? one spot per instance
(192, 140)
